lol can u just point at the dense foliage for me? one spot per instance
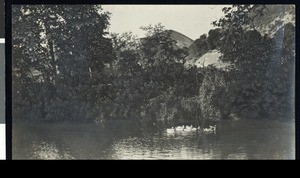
(66, 67)
(261, 82)
(59, 56)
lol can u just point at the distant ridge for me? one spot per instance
(182, 40)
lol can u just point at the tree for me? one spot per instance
(58, 52)
(260, 82)
(159, 48)
(126, 51)
(214, 38)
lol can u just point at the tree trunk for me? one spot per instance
(52, 61)
(53, 64)
(42, 109)
(52, 73)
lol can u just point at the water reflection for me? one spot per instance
(182, 145)
(245, 140)
(48, 151)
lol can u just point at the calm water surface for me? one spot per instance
(120, 140)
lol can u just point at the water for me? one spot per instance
(120, 140)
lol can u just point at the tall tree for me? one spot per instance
(58, 50)
(260, 62)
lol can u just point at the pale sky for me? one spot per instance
(190, 20)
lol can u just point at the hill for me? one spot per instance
(182, 40)
(274, 18)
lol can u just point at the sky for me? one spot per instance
(190, 20)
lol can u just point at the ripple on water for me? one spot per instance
(248, 140)
(48, 151)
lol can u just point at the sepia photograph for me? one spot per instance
(153, 82)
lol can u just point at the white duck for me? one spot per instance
(179, 128)
(188, 128)
(213, 127)
(196, 128)
(210, 130)
(171, 130)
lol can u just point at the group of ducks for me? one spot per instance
(183, 128)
